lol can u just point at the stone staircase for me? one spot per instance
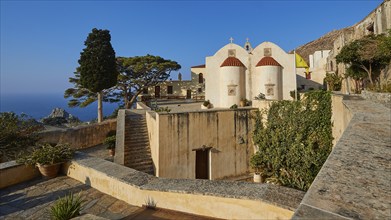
(137, 150)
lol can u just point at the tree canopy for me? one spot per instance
(97, 72)
(370, 53)
(139, 72)
(17, 133)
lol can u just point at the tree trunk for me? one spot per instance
(132, 100)
(100, 107)
(370, 73)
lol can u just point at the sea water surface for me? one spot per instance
(39, 106)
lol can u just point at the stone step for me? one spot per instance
(130, 142)
(139, 151)
(136, 144)
(135, 135)
(137, 163)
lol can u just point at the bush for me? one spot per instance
(260, 96)
(257, 163)
(47, 154)
(296, 139)
(165, 109)
(333, 81)
(234, 106)
(110, 141)
(17, 133)
(67, 207)
(206, 103)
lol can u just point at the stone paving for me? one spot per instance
(33, 199)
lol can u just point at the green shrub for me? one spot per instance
(47, 154)
(234, 106)
(110, 141)
(67, 207)
(333, 81)
(260, 96)
(165, 109)
(17, 133)
(206, 103)
(296, 139)
(257, 163)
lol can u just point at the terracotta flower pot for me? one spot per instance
(50, 170)
(112, 152)
(257, 178)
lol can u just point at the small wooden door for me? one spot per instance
(202, 164)
(157, 91)
(188, 94)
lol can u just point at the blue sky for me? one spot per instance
(41, 41)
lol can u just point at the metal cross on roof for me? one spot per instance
(231, 39)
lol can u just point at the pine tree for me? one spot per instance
(98, 65)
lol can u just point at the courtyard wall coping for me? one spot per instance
(355, 181)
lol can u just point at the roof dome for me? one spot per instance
(268, 61)
(232, 61)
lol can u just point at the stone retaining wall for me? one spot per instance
(81, 136)
(354, 182)
(382, 98)
(219, 199)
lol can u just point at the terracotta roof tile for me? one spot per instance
(232, 61)
(268, 61)
(199, 66)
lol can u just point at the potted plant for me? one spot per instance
(206, 105)
(110, 142)
(48, 158)
(258, 166)
(243, 102)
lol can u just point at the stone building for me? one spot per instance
(179, 89)
(377, 22)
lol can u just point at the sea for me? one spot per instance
(39, 106)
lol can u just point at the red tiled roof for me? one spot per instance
(268, 61)
(199, 66)
(232, 61)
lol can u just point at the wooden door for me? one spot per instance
(202, 164)
(157, 91)
(188, 94)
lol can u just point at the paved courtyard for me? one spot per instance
(33, 199)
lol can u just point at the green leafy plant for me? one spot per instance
(257, 163)
(293, 94)
(47, 154)
(67, 207)
(110, 141)
(260, 96)
(296, 138)
(17, 133)
(165, 109)
(206, 103)
(333, 81)
(150, 203)
(234, 106)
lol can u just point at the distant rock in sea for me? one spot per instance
(59, 117)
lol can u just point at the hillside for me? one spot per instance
(325, 42)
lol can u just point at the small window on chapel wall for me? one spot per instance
(169, 89)
(267, 52)
(269, 89)
(200, 78)
(232, 53)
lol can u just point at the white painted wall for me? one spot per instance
(269, 75)
(231, 77)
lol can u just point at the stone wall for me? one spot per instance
(226, 134)
(354, 182)
(81, 136)
(382, 98)
(218, 199)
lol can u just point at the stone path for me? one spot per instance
(99, 151)
(33, 199)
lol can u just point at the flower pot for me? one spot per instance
(257, 178)
(49, 170)
(112, 152)
(242, 103)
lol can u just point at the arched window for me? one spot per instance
(200, 78)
